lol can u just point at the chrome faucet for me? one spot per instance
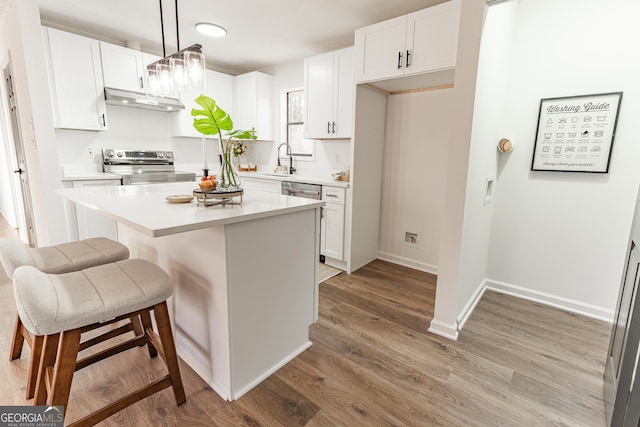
(290, 153)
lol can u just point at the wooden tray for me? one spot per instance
(218, 197)
(249, 169)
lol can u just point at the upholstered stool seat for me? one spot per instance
(59, 307)
(49, 303)
(62, 258)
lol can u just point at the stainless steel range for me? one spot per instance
(143, 166)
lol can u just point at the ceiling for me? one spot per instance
(260, 33)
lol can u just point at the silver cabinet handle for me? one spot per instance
(104, 120)
(328, 127)
(334, 127)
(399, 60)
(141, 83)
(408, 63)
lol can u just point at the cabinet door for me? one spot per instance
(380, 50)
(432, 38)
(332, 223)
(90, 222)
(122, 67)
(268, 185)
(253, 95)
(219, 87)
(343, 93)
(75, 73)
(332, 231)
(319, 99)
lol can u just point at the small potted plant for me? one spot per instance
(211, 120)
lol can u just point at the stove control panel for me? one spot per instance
(118, 156)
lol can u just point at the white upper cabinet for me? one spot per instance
(328, 91)
(75, 74)
(253, 106)
(122, 68)
(219, 87)
(419, 42)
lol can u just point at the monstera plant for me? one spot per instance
(212, 120)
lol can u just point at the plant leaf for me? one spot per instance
(211, 119)
(242, 134)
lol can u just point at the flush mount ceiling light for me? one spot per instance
(210, 29)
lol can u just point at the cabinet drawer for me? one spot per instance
(333, 195)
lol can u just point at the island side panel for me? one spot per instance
(196, 261)
(272, 278)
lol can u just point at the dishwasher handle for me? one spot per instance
(295, 191)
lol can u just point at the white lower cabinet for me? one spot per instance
(269, 185)
(332, 223)
(84, 223)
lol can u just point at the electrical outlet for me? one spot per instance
(90, 153)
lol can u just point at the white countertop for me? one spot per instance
(91, 176)
(145, 209)
(309, 179)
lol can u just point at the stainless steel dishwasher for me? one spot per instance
(301, 189)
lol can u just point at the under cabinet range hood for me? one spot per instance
(126, 98)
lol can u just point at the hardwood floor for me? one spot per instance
(516, 363)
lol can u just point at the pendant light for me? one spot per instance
(182, 70)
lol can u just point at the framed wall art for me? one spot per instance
(575, 133)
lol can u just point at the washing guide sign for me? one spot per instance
(575, 134)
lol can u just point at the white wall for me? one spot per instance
(489, 118)
(561, 237)
(20, 37)
(451, 239)
(128, 128)
(413, 176)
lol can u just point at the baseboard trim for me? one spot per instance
(565, 304)
(407, 262)
(206, 376)
(266, 374)
(444, 329)
(471, 304)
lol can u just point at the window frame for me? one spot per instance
(284, 126)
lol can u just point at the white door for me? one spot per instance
(90, 222)
(343, 92)
(621, 392)
(380, 50)
(332, 231)
(318, 93)
(432, 38)
(122, 67)
(76, 80)
(22, 195)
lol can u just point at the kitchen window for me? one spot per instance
(293, 125)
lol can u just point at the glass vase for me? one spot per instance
(228, 177)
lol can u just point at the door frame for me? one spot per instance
(19, 182)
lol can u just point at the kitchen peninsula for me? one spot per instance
(245, 274)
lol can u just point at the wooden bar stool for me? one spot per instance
(63, 258)
(60, 307)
